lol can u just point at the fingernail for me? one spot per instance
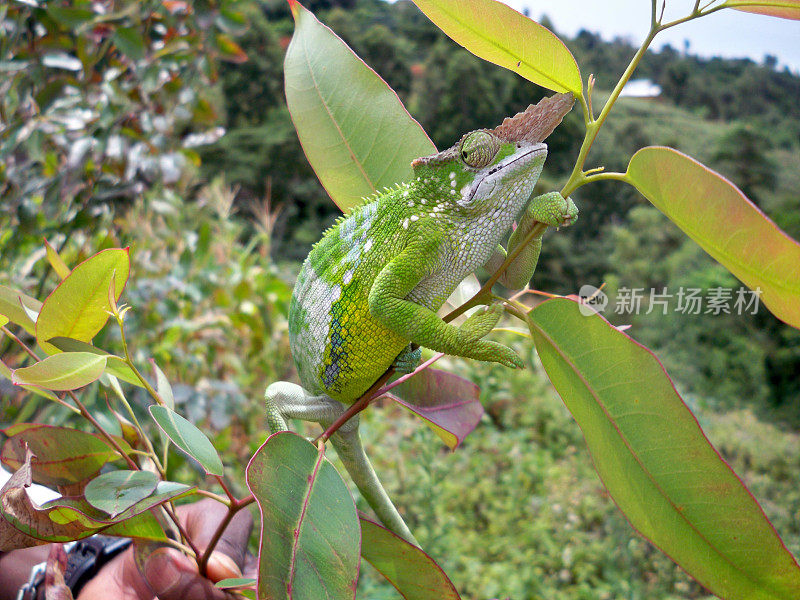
(221, 566)
(161, 571)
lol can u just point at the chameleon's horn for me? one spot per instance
(536, 122)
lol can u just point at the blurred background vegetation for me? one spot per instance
(162, 126)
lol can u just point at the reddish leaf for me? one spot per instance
(20, 517)
(410, 570)
(446, 402)
(63, 455)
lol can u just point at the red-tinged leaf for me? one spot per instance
(716, 215)
(496, 32)
(410, 570)
(448, 403)
(20, 518)
(230, 50)
(358, 137)
(78, 307)
(63, 456)
(786, 9)
(11, 305)
(655, 460)
(309, 527)
(62, 372)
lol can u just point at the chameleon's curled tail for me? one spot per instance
(351, 452)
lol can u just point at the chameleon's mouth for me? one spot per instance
(484, 186)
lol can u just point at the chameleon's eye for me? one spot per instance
(478, 149)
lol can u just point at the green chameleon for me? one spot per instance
(372, 285)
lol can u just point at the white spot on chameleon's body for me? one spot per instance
(414, 217)
(410, 204)
(453, 183)
(405, 223)
(368, 245)
(452, 175)
(347, 277)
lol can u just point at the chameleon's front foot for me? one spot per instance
(553, 209)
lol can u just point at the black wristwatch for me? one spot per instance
(84, 559)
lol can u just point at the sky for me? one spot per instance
(727, 33)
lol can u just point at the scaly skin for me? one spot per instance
(374, 282)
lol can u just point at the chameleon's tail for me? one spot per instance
(351, 452)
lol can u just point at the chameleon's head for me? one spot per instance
(482, 172)
(494, 170)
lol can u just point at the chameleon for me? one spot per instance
(367, 294)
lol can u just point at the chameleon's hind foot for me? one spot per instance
(290, 401)
(407, 360)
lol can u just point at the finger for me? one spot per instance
(172, 576)
(202, 519)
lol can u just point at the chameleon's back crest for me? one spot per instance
(537, 121)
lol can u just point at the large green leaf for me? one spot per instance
(63, 455)
(78, 307)
(188, 438)
(410, 570)
(61, 372)
(655, 460)
(496, 32)
(354, 130)
(716, 215)
(787, 9)
(309, 525)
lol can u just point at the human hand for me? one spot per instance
(170, 575)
